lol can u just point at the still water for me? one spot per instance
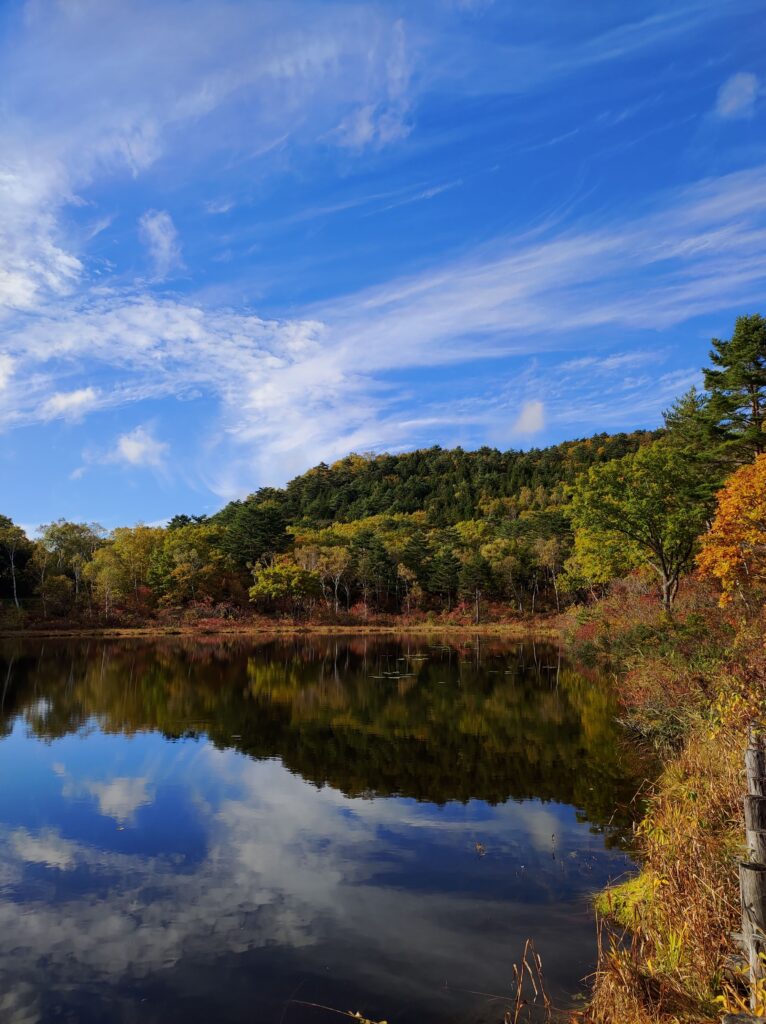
(227, 832)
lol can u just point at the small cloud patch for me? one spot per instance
(69, 404)
(158, 233)
(531, 419)
(139, 447)
(737, 96)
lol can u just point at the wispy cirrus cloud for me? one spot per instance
(385, 121)
(159, 235)
(294, 391)
(117, 101)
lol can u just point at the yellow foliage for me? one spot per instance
(734, 550)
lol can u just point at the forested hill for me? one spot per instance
(448, 485)
(384, 533)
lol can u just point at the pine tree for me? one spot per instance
(445, 571)
(256, 531)
(737, 388)
(475, 579)
(688, 424)
(416, 556)
(374, 568)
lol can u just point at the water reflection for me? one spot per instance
(201, 831)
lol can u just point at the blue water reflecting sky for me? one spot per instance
(144, 878)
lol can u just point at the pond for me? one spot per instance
(220, 831)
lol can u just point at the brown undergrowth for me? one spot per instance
(689, 685)
(206, 619)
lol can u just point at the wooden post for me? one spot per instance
(752, 873)
(755, 827)
(755, 763)
(752, 891)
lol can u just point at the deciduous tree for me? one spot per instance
(657, 499)
(734, 550)
(15, 548)
(285, 585)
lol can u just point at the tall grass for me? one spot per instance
(689, 686)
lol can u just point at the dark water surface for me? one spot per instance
(219, 832)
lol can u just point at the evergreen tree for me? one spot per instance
(416, 556)
(445, 572)
(183, 520)
(688, 423)
(736, 385)
(374, 568)
(255, 531)
(474, 581)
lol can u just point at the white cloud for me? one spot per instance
(139, 447)
(33, 265)
(159, 235)
(70, 404)
(737, 96)
(531, 419)
(120, 798)
(47, 848)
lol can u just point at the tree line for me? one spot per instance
(426, 530)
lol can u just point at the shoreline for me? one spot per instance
(525, 631)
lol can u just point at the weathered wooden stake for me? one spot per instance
(752, 873)
(755, 763)
(755, 827)
(752, 889)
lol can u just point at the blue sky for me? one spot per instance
(239, 237)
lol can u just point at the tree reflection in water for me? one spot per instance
(189, 830)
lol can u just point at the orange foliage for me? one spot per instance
(734, 550)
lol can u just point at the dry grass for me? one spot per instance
(666, 950)
(679, 913)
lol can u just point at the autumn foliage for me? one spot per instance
(734, 550)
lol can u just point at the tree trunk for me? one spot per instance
(669, 590)
(12, 560)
